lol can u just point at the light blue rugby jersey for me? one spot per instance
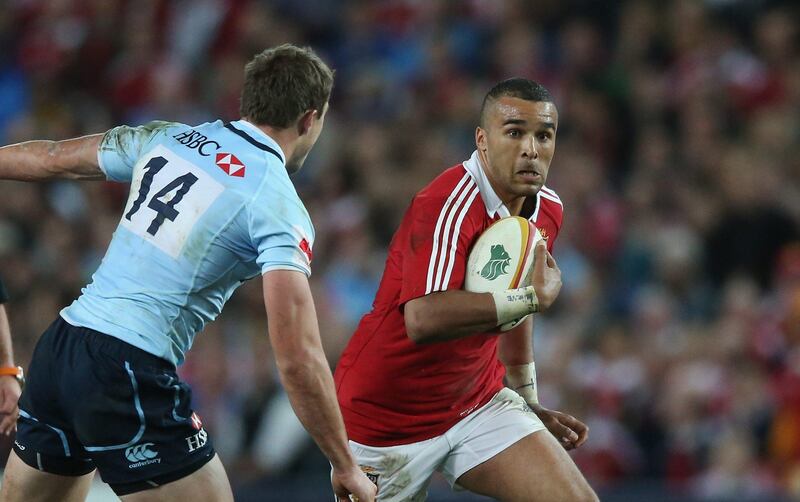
(209, 207)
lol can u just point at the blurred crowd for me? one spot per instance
(677, 333)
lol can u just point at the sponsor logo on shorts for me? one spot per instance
(197, 441)
(196, 422)
(141, 455)
(371, 472)
(19, 445)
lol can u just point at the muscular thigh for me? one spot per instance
(534, 468)
(23, 483)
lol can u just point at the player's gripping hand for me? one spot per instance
(353, 485)
(568, 430)
(9, 397)
(546, 279)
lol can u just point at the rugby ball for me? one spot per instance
(502, 258)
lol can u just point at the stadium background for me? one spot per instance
(677, 334)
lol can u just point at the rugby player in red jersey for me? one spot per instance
(420, 383)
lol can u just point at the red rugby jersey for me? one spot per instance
(391, 390)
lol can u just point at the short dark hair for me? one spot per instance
(516, 88)
(283, 82)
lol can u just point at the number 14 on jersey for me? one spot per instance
(168, 196)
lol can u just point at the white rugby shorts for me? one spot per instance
(403, 472)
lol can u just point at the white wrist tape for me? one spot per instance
(522, 379)
(513, 304)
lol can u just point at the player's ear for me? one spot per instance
(305, 122)
(480, 139)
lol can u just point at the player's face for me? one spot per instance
(516, 144)
(307, 141)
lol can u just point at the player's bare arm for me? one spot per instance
(9, 385)
(44, 160)
(452, 314)
(307, 378)
(515, 351)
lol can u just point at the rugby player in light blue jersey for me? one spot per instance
(210, 206)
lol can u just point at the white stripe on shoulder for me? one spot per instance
(538, 204)
(448, 226)
(456, 235)
(442, 213)
(550, 197)
(550, 191)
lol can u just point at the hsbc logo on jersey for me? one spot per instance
(230, 164)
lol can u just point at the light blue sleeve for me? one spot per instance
(281, 232)
(123, 145)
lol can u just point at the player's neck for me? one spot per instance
(286, 138)
(515, 204)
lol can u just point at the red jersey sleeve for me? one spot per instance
(440, 235)
(549, 217)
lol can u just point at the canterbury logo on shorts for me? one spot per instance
(141, 455)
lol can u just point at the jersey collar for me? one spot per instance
(259, 138)
(494, 206)
(490, 198)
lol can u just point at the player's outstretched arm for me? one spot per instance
(44, 160)
(9, 386)
(451, 314)
(307, 378)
